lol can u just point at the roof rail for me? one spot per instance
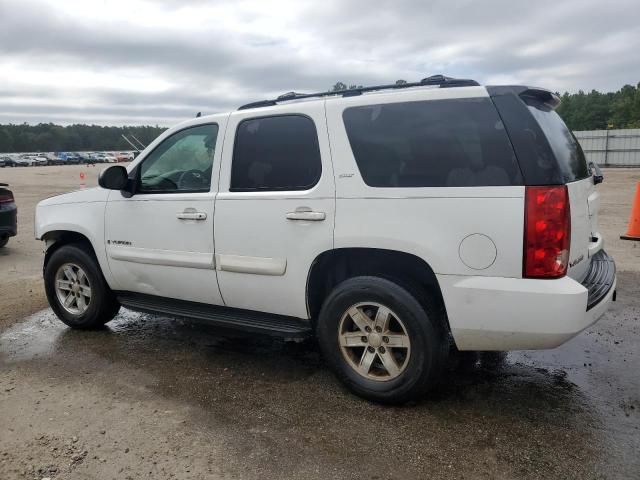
(441, 80)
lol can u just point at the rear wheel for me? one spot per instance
(3, 241)
(380, 341)
(76, 289)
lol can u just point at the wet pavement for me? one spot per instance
(155, 397)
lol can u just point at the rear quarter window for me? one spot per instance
(569, 155)
(435, 143)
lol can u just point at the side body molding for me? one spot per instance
(254, 265)
(161, 257)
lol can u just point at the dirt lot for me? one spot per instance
(157, 398)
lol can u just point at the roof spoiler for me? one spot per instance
(527, 93)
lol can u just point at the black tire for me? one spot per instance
(103, 305)
(429, 340)
(3, 241)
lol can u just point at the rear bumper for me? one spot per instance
(497, 313)
(599, 279)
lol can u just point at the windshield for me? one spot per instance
(566, 148)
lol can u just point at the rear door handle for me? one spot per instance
(191, 214)
(306, 214)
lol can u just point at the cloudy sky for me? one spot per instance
(159, 62)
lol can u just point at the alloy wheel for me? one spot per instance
(73, 288)
(374, 341)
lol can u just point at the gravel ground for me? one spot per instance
(155, 397)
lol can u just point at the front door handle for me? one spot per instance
(191, 214)
(306, 214)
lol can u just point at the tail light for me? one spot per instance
(6, 197)
(547, 232)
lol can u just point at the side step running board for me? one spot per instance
(232, 318)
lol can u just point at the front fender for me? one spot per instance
(86, 219)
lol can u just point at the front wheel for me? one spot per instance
(76, 289)
(380, 341)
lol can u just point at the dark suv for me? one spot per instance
(8, 215)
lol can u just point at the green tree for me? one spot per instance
(48, 137)
(596, 110)
(341, 86)
(6, 141)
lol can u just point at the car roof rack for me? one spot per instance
(441, 80)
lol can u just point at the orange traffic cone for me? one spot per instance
(633, 232)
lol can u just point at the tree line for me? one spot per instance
(580, 111)
(600, 111)
(48, 137)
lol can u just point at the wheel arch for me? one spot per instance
(54, 239)
(332, 267)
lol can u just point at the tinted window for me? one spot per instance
(566, 149)
(535, 156)
(276, 153)
(181, 163)
(437, 143)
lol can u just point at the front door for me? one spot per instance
(160, 240)
(275, 207)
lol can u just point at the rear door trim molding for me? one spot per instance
(254, 265)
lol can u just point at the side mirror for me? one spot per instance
(114, 178)
(598, 177)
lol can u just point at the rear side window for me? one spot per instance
(569, 155)
(436, 143)
(276, 153)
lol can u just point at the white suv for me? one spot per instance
(387, 221)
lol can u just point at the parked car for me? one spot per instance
(40, 160)
(74, 158)
(94, 157)
(124, 156)
(79, 157)
(110, 157)
(7, 161)
(25, 162)
(8, 215)
(97, 157)
(385, 221)
(69, 158)
(31, 160)
(53, 159)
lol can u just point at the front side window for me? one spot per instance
(436, 143)
(275, 153)
(181, 163)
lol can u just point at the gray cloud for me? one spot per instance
(165, 69)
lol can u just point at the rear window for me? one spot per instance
(565, 147)
(436, 143)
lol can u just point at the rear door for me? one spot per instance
(275, 207)
(586, 240)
